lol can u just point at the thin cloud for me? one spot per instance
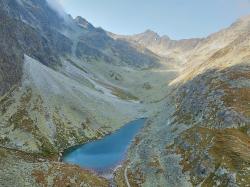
(56, 5)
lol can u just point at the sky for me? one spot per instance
(178, 19)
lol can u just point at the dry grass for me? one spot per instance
(120, 93)
(119, 177)
(232, 147)
(155, 163)
(67, 175)
(50, 173)
(228, 148)
(239, 75)
(221, 53)
(238, 98)
(40, 177)
(136, 178)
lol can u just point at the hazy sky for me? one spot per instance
(175, 18)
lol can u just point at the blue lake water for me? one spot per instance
(104, 154)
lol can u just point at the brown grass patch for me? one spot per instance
(120, 93)
(238, 99)
(136, 178)
(63, 175)
(228, 148)
(40, 177)
(232, 147)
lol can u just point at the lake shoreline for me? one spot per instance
(81, 154)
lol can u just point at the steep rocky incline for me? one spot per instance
(18, 36)
(202, 135)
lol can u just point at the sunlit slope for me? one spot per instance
(201, 137)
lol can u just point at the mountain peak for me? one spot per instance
(149, 32)
(83, 22)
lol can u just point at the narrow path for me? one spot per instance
(126, 176)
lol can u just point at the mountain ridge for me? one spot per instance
(65, 82)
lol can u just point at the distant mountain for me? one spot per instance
(162, 45)
(219, 49)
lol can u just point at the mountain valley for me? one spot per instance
(64, 82)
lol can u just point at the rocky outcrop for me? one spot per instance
(84, 23)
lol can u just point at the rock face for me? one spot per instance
(25, 29)
(83, 23)
(64, 82)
